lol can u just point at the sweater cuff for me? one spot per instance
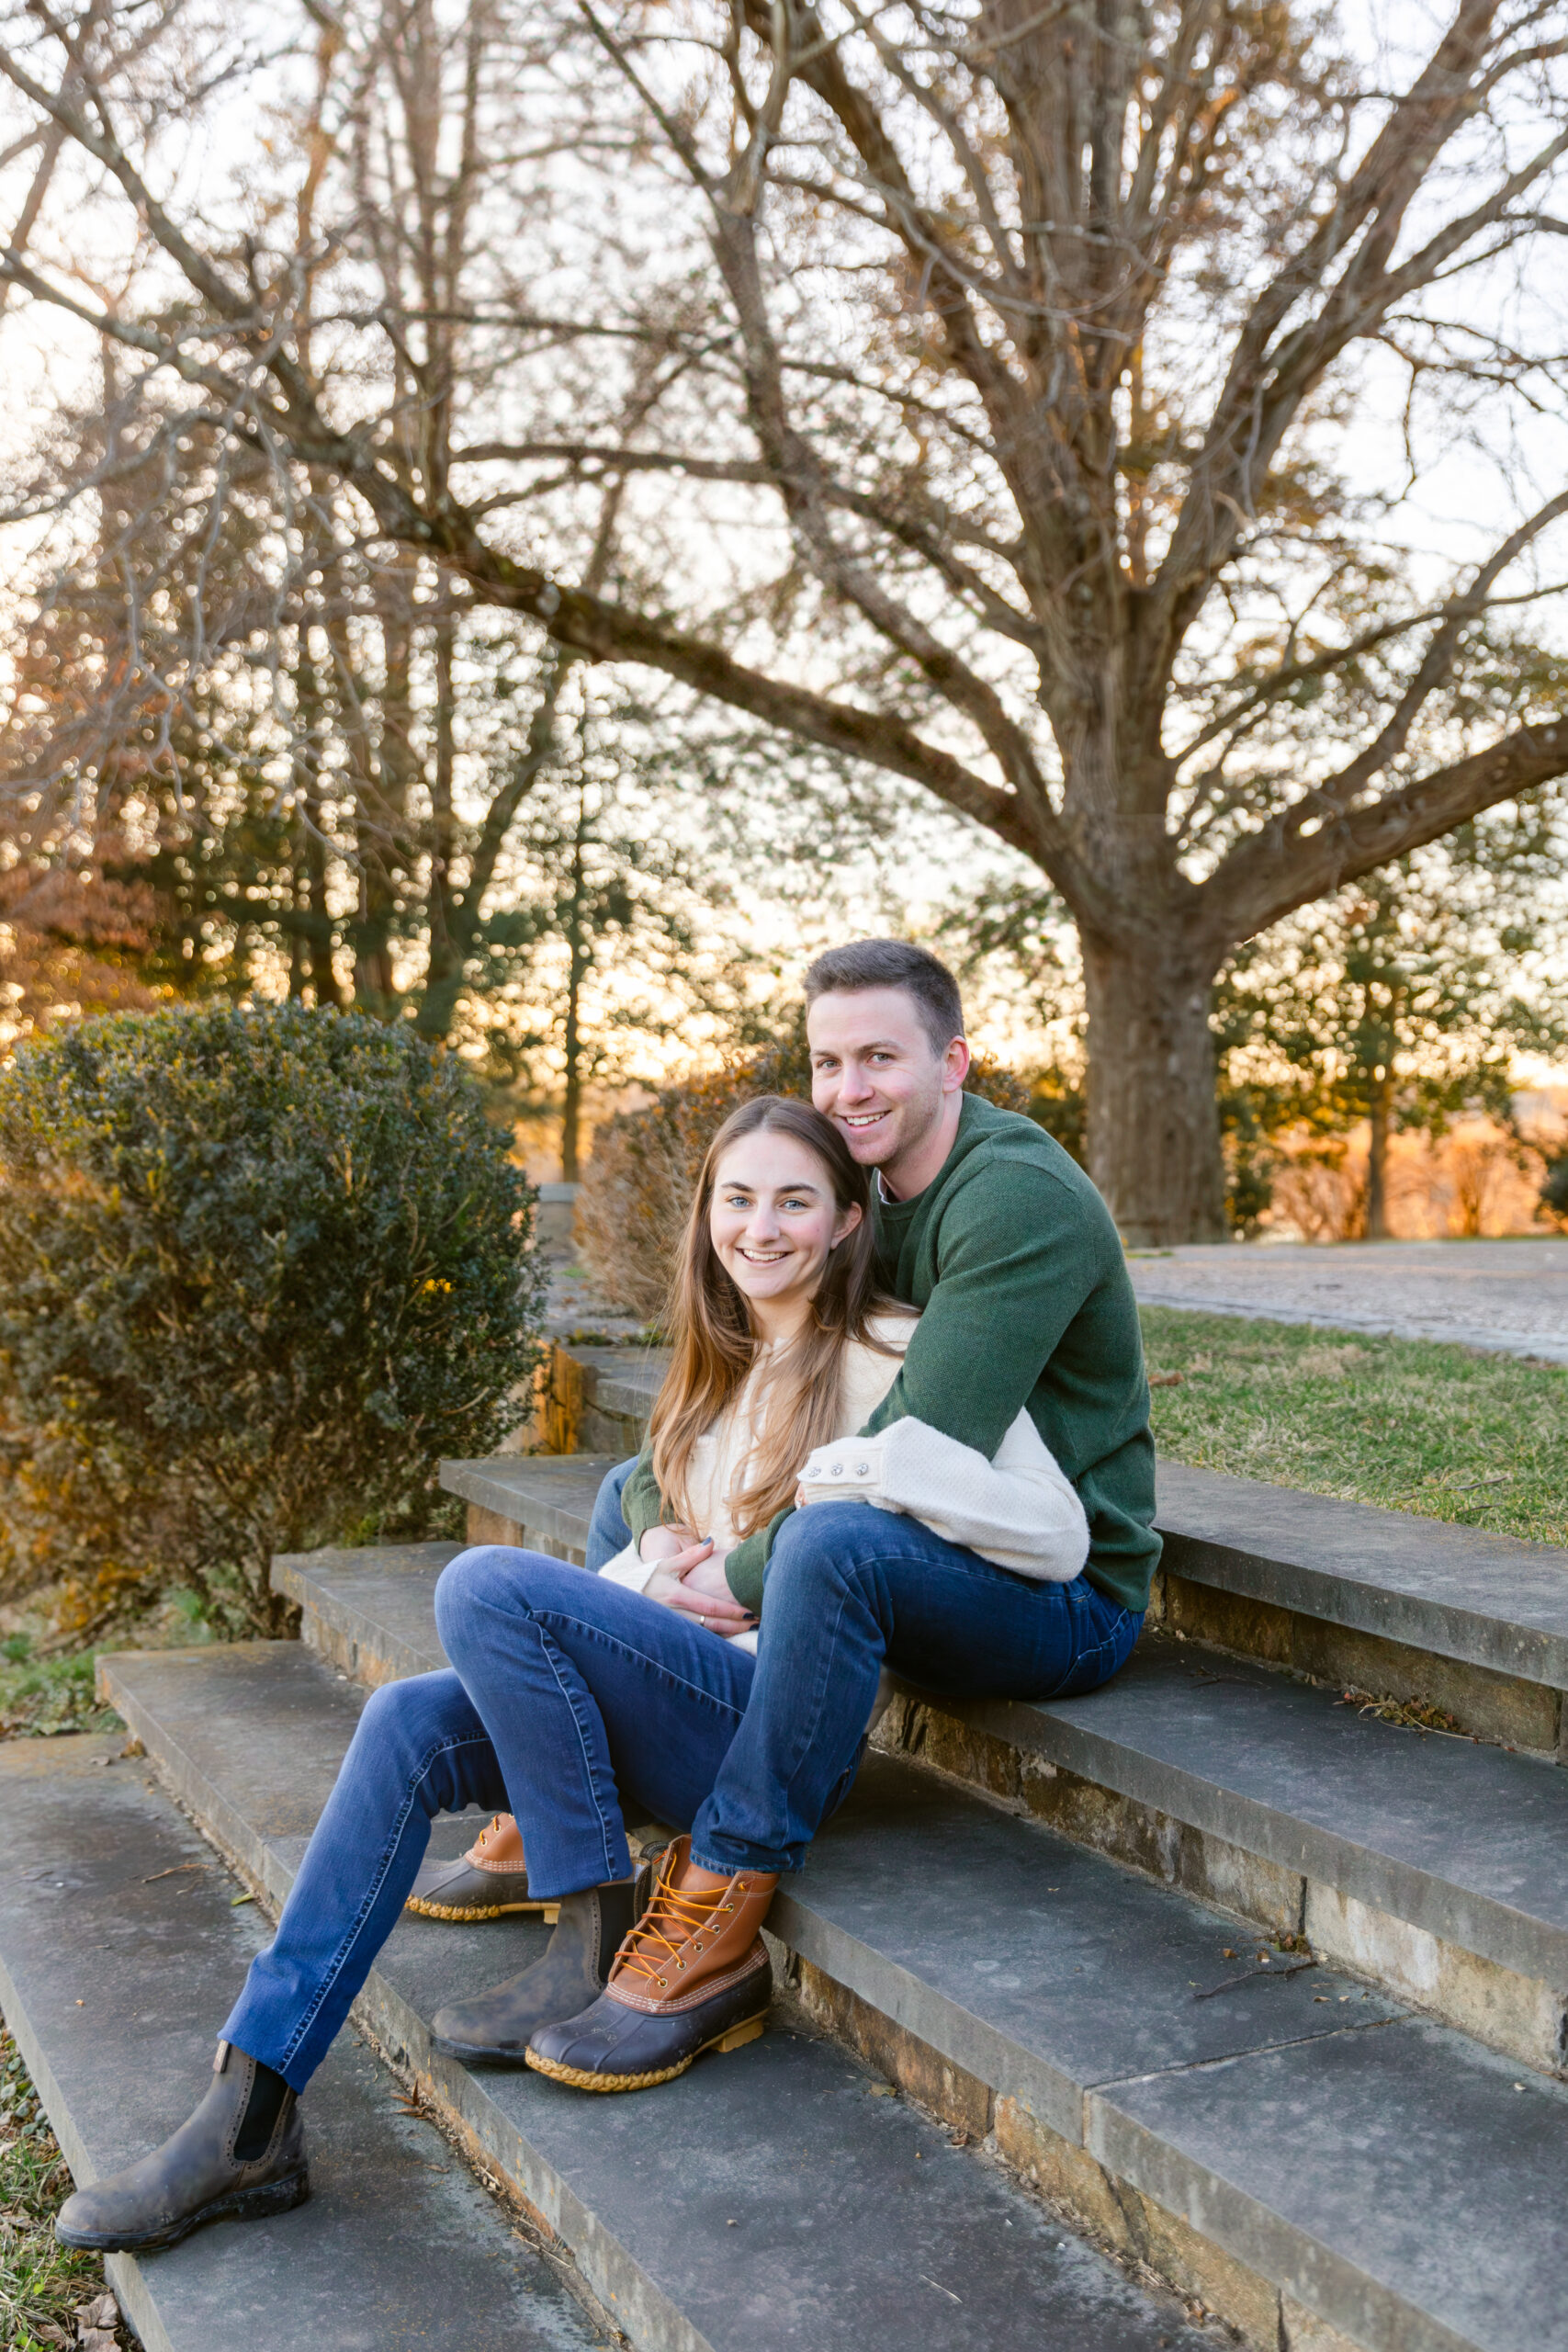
(851, 1470)
(743, 1569)
(642, 1505)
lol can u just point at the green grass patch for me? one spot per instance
(39, 1696)
(46, 2291)
(1411, 1424)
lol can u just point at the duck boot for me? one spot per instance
(493, 2028)
(491, 1878)
(242, 2152)
(694, 1975)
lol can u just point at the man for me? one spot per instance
(988, 1227)
(992, 1231)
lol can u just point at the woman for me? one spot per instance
(570, 1694)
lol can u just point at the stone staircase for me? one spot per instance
(1090, 1942)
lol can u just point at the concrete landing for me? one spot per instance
(1506, 1297)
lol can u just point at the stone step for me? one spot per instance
(772, 2202)
(1407, 1608)
(1415, 1608)
(1276, 2138)
(597, 1399)
(121, 1951)
(1430, 1863)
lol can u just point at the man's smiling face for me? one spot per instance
(876, 1073)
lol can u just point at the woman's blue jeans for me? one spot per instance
(574, 1703)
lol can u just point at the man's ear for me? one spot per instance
(955, 1065)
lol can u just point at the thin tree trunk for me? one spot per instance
(577, 971)
(1154, 1127)
(1377, 1167)
(443, 974)
(382, 827)
(309, 716)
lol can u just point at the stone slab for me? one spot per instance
(1038, 1966)
(771, 2200)
(551, 1495)
(1368, 2173)
(119, 1953)
(375, 1626)
(362, 1597)
(623, 1381)
(1490, 1601)
(1464, 1841)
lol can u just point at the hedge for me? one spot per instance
(260, 1268)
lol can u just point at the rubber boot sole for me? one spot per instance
(450, 1911)
(734, 2037)
(243, 2204)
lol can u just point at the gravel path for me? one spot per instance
(1509, 1297)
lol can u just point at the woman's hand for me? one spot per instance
(689, 1578)
(663, 1543)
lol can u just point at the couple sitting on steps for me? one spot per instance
(905, 1425)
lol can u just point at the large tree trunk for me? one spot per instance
(1154, 1126)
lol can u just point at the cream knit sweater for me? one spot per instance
(1019, 1510)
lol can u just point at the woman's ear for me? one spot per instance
(851, 1217)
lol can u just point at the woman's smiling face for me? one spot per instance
(773, 1219)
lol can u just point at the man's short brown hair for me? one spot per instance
(893, 964)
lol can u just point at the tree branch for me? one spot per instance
(1272, 873)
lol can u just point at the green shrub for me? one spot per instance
(259, 1268)
(637, 1185)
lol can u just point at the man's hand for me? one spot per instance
(689, 1578)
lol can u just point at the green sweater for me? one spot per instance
(1017, 1269)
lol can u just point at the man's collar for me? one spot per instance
(901, 1200)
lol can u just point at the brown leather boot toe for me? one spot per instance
(490, 1879)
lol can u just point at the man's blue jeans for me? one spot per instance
(571, 1702)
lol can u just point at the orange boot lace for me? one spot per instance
(676, 1919)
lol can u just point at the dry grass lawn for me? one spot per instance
(1412, 1424)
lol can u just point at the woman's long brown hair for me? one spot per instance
(715, 1344)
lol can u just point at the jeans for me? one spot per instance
(571, 1700)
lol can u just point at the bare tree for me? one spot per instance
(1022, 330)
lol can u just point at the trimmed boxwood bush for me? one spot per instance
(260, 1268)
(638, 1183)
